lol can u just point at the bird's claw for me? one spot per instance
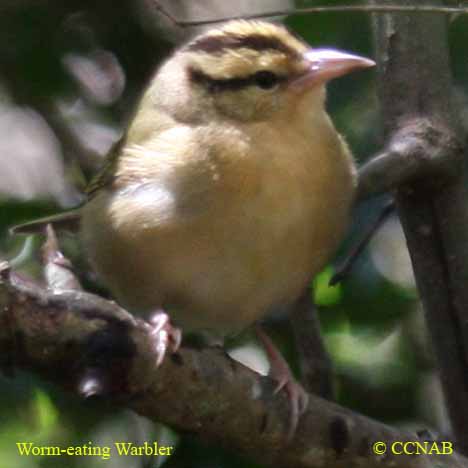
(281, 373)
(58, 270)
(165, 337)
(298, 400)
(295, 390)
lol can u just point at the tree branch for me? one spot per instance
(419, 149)
(73, 337)
(317, 9)
(415, 83)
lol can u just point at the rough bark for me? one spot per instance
(415, 84)
(88, 345)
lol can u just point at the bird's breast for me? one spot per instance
(276, 217)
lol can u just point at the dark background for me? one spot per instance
(70, 76)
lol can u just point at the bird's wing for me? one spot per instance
(70, 220)
(173, 178)
(106, 174)
(178, 176)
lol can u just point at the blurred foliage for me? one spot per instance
(80, 66)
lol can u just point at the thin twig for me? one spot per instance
(343, 269)
(318, 9)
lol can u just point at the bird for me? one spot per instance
(230, 189)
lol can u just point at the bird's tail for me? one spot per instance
(69, 221)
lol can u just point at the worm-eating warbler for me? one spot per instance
(231, 187)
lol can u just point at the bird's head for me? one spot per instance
(246, 71)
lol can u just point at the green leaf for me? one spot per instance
(324, 294)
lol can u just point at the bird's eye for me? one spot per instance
(266, 79)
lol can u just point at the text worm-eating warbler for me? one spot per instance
(231, 187)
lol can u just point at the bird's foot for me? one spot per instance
(280, 371)
(165, 337)
(298, 397)
(58, 270)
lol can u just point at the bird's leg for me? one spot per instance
(314, 362)
(165, 336)
(280, 371)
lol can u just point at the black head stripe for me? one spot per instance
(214, 44)
(215, 85)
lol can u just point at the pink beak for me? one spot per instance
(326, 64)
